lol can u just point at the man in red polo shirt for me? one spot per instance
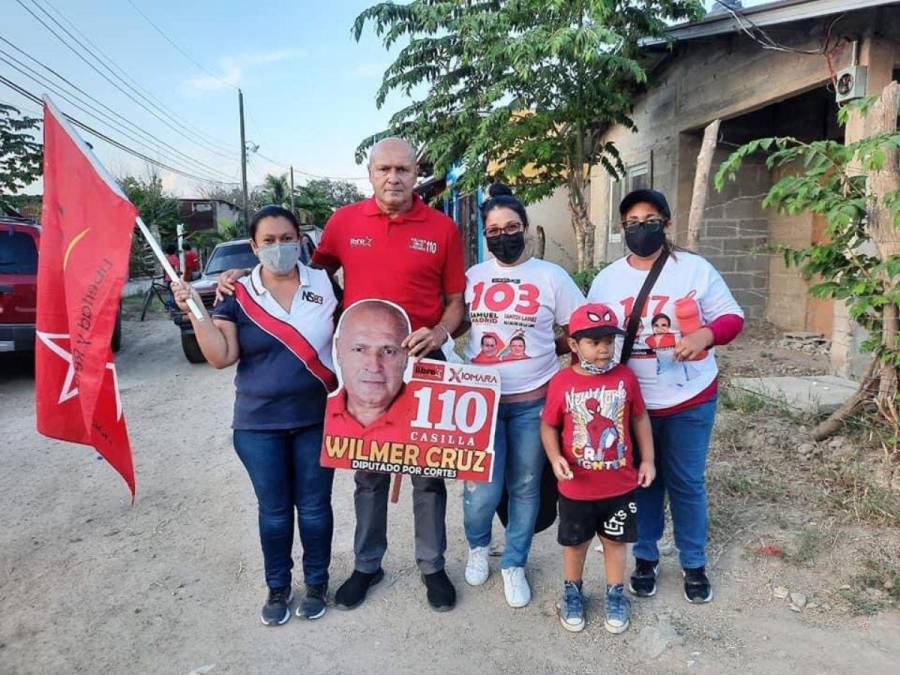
(395, 247)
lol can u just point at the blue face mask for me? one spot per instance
(279, 258)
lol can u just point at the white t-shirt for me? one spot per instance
(664, 381)
(513, 311)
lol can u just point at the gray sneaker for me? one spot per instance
(312, 606)
(618, 609)
(571, 607)
(277, 611)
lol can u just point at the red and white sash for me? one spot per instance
(287, 335)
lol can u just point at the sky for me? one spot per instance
(309, 87)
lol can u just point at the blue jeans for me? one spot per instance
(285, 472)
(518, 463)
(681, 442)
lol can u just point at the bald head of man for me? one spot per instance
(392, 173)
(370, 356)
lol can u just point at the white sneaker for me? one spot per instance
(477, 569)
(515, 586)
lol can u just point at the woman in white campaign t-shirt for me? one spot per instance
(678, 377)
(515, 302)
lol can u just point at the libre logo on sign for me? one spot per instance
(429, 371)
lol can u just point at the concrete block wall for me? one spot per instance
(733, 232)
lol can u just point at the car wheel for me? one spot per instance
(191, 349)
(116, 342)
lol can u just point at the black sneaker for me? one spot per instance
(697, 588)
(312, 606)
(643, 579)
(353, 591)
(441, 594)
(277, 611)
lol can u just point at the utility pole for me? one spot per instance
(243, 158)
(293, 209)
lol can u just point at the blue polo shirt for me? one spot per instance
(275, 388)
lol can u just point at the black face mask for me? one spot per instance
(507, 247)
(643, 241)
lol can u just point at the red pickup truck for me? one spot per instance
(19, 244)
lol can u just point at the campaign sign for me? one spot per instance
(441, 425)
(391, 414)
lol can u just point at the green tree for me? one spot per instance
(276, 190)
(525, 88)
(155, 206)
(21, 156)
(338, 192)
(859, 261)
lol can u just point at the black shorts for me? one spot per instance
(614, 519)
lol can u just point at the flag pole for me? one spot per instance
(167, 267)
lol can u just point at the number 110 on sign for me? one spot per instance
(466, 412)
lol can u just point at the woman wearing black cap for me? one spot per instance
(679, 383)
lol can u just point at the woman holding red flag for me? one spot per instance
(278, 328)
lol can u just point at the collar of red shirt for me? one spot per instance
(416, 213)
(337, 409)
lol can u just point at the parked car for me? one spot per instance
(228, 255)
(19, 245)
(19, 241)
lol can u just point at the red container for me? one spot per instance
(687, 311)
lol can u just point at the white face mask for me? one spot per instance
(279, 258)
(592, 368)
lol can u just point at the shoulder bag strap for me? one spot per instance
(634, 320)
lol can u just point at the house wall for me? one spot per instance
(734, 232)
(554, 216)
(727, 77)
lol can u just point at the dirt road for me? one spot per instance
(91, 584)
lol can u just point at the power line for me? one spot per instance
(284, 165)
(90, 109)
(178, 47)
(160, 105)
(31, 96)
(106, 77)
(92, 113)
(758, 35)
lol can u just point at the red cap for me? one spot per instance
(595, 317)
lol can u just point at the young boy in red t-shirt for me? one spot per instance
(594, 407)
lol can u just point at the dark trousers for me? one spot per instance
(370, 500)
(286, 475)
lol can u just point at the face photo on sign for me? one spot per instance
(516, 349)
(491, 346)
(369, 358)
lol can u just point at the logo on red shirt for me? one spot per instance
(361, 241)
(426, 245)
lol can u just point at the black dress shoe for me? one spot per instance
(441, 594)
(353, 591)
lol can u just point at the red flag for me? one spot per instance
(83, 260)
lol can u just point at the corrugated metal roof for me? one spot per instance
(770, 14)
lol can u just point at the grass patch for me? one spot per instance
(876, 586)
(740, 484)
(850, 490)
(809, 545)
(741, 401)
